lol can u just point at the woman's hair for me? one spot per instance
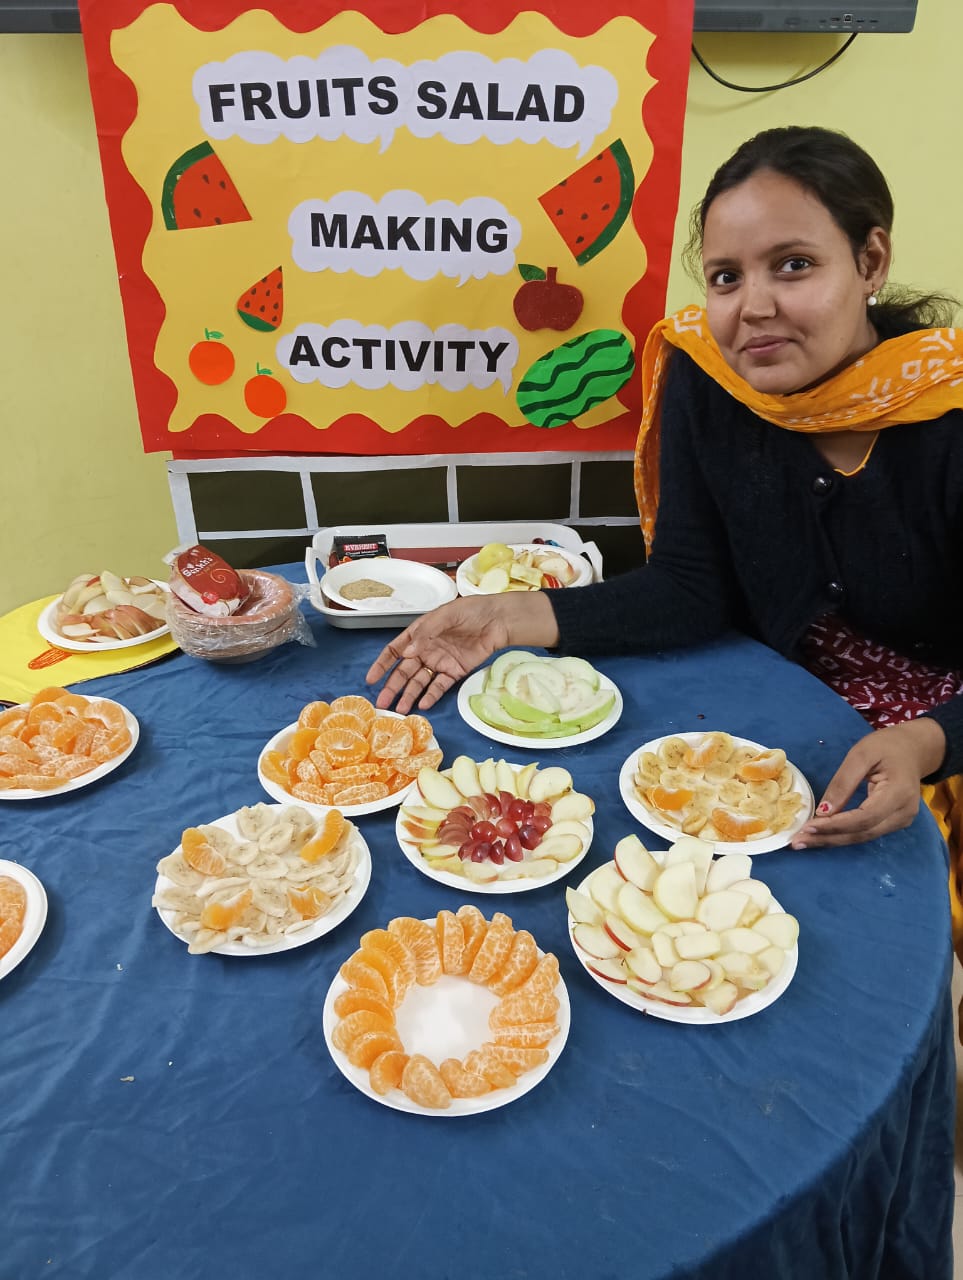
(848, 182)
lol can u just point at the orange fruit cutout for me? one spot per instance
(670, 799)
(387, 1070)
(451, 942)
(761, 768)
(400, 953)
(526, 1035)
(363, 1049)
(264, 395)
(326, 838)
(358, 1024)
(356, 706)
(421, 941)
(210, 361)
(358, 973)
(200, 854)
(482, 1062)
(423, 1084)
(519, 964)
(492, 953)
(736, 826)
(462, 1083)
(357, 998)
(221, 915)
(311, 715)
(310, 903)
(475, 926)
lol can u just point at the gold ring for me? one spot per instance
(431, 674)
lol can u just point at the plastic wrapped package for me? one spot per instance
(268, 617)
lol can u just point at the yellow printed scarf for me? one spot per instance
(913, 378)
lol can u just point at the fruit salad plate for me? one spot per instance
(476, 701)
(446, 1020)
(46, 625)
(34, 918)
(579, 571)
(93, 775)
(794, 791)
(274, 789)
(357, 880)
(617, 969)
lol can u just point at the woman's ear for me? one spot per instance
(875, 257)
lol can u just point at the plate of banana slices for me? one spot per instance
(267, 878)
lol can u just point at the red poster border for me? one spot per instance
(211, 435)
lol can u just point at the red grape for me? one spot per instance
(542, 809)
(497, 854)
(516, 810)
(483, 831)
(530, 836)
(541, 825)
(505, 827)
(513, 849)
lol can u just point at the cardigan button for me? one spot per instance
(835, 590)
(822, 485)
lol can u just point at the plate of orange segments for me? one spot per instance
(264, 879)
(347, 754)
(738, 794)
(449, 1016)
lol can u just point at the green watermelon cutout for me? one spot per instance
(262, 306)
(589, 206)
(198, 192)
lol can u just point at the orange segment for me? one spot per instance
(475, 926)
(301, 743)
(364, 1049)
(421, 941)
(360, 793)
(462, 1083)
(421, 732)
(763, 767)
(358, 973)
(310, 903)
(526, 1035)
(400, 953)
(736, 826)
(108, 713)
(358, 1024)
(519, 964)
(329, 832)
(518, 1061)
(451, 942)
(50, 694)
(312, 715)
(492, 953)
(356, 706)
(387, 1070)
(483, 1062)
(423, 1083)
(671, 799)
(344, 720)
(273, 768)
(357, 998)
(200, 854)
(342, 746)
(221, 915)
(13, 909)
(388, 967)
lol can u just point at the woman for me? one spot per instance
(806, 438)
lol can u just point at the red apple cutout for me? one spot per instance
(547, 304)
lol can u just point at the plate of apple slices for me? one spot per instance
(105, 611)
(497, 826)
(681, 934)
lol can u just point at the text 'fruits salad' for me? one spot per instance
(346, 753)
(411, 952)
(105, 606)
(497, 821)
(56, 737)
(681, 928)
(538, 697)
(718, 789)
(284, 870)
(498, 567)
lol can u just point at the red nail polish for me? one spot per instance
(823, 808)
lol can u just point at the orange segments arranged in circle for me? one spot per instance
(58, 736)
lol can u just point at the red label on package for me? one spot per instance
(207, 583)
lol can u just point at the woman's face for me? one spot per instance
(786, 299)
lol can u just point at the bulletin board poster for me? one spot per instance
(440, 228)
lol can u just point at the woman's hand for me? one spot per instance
(444, 645)
(892, 762)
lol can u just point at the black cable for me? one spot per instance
(769, 88)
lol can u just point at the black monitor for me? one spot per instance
(862, 16)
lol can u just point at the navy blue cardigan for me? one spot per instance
(757, 532)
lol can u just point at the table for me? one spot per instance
(174, 1116)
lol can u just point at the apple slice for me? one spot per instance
(440, 792)
(523, 781)
(464, 775)
(452, 864)
(759, 895)
(610, 970)
(563, 848)
(689, 975)
(583, 910)
(773, 959)
(721, 999)
(569, 827)
(488, 777)
(529, 868)
(595, 942)
(423, 813)
(664, 947)
(691, 849)
(674, 891)
(505, 777)
(636, 907)
(722, 910)
(604, 885)
(737, 965)
(619, 932)
(635, 863)
(725, 871)
(779, 928)
(549, 784)
(643, 965)
(740, 939)
(662, 991)
(718, 975)
(698, 946)
(572, 806)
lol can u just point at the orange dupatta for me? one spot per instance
(913, 378)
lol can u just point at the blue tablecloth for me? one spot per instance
(812, 1141)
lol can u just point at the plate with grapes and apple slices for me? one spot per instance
(529, 700)
(495, 826)
(105, 611)
(520, 566)
(681, 934)
(734, 793)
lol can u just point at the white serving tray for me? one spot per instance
(466, 537)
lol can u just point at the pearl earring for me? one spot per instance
(872, 300)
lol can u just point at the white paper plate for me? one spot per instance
(651, 819)
(446, 1020)
(475, 684)
(695, 1015)
(416, 587)
(34, 917)
(579, 563)
(279, 743)
(45, 625)
(85, 779)
(519, 885)
(346, 904)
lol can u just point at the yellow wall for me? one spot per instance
(76, 491)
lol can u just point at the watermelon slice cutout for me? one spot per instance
(589, 207)
(198, 192)
(262, 305)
